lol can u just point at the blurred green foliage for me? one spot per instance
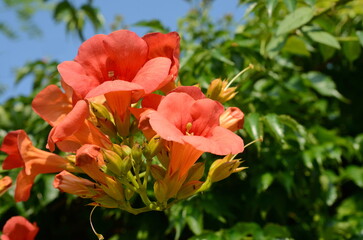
(304, 181)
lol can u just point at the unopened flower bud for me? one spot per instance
(136, 153)
(107, 127)
(126, 165)
(153, 147)
(122, 150)
(223, 168)
(218, 91)
(196, 172)
(113, 161)
(161, 191)
(189, 189)
(100, 111)
(232, 119)
(157, 172)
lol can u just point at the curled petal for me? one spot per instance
(52, 105)
(19, 228)
(192, 91)
(5, 184)
(71, 123)
(24, 184)
(221, 142)
(10, 147)
(165, 45)
(152, 75)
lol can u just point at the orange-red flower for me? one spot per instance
(19, 228)
(22, 153)
(71, 129)
(192, 125)
(150, 62)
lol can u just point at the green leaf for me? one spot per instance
(351, 50)
(94, 15)
(275, 126)
(274, 46)
(208, 235)
(360, 37)
(295, 20)
(219, 56)
(324, 38)
(243, 229)
(195, 219)
(254, 128)
(154, 24)
(265, 181)
(299, 130)
(324, 85)
(355, 174)
(296, 45)
(310, 2)
(273, 230)
(326, 51)
(270, 5)
(290, 5)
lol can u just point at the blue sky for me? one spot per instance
(55, 44)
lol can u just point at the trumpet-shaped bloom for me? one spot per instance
(71, 128)
(151, 62)
(193, 128)
(19, 228)
(69, 183)
(22, 153)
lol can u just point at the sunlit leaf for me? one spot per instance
(295, 20)
(324, 38)
(290, 4)
(271, 5)
(324, 85)
(275, 126)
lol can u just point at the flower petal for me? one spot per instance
(52, 104)
(192, 91)
(152, 75)
(24, 183)
(164, 127)
(175, 107)
(127, 53)
(205, 114)
(70, 124)
(18, 228)
(75, 76)
(165, 45)
(10, 147)
(222, 142)
(117, 86)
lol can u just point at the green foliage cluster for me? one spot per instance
(303, 98)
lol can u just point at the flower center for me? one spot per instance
(188, 128)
